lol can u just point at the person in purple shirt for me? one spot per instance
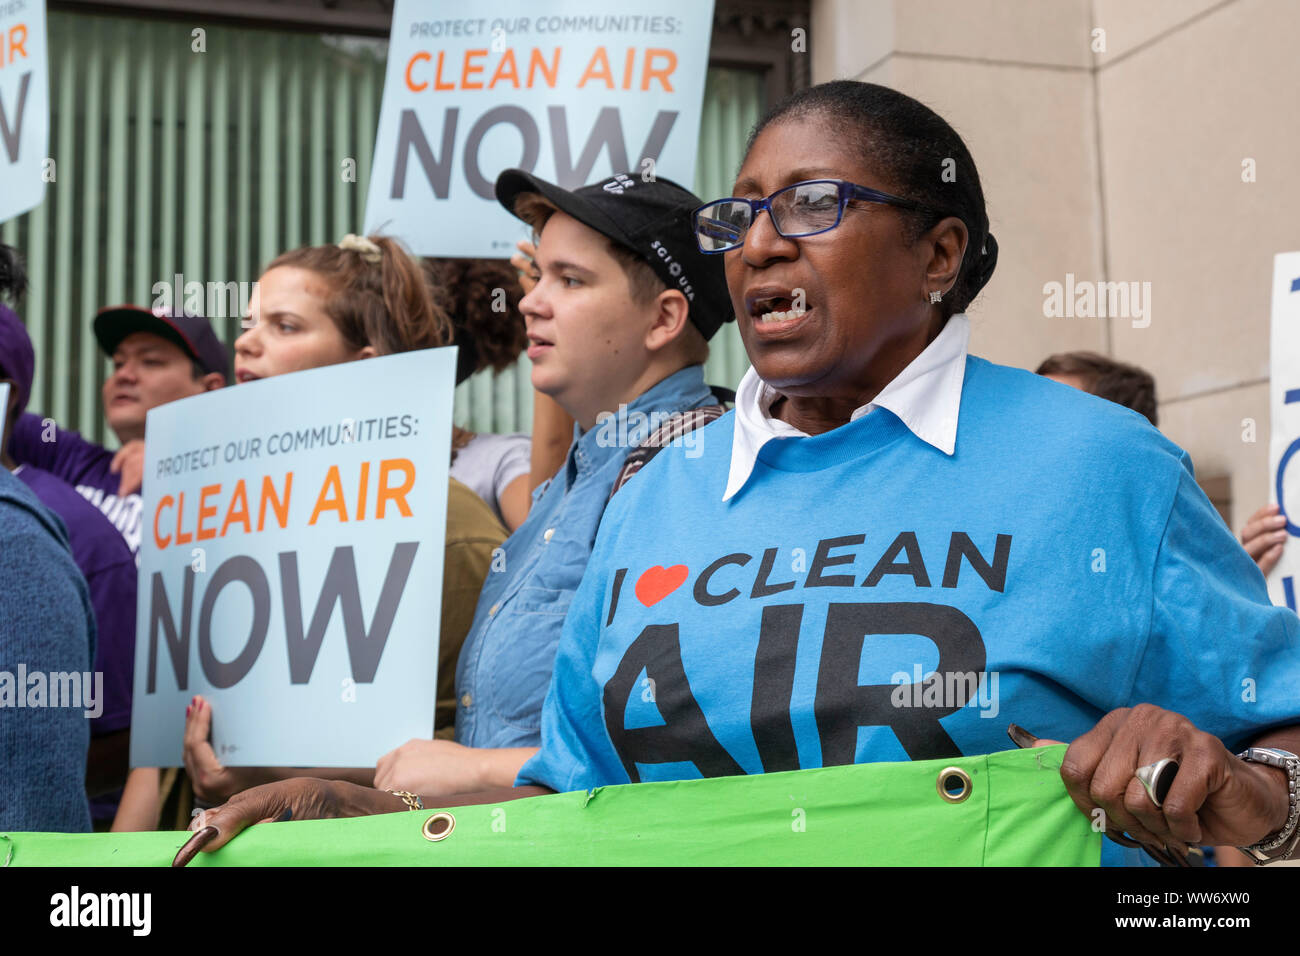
(104, 561)
(157, 358)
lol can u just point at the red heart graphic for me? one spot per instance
(657, 583)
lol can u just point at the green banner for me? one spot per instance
(1003, 809)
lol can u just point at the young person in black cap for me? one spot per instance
(157, 358)
(618, 327)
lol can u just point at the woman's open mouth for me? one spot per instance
(775, 312)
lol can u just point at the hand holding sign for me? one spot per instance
(1264, 537)
(212, 782)
(1215, 798)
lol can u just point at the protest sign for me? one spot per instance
(1014, 811)
(291, 563)
(1284, 404)
(24, 106)
(573, 91)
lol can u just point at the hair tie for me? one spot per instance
(366, 247)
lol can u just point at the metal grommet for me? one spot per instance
(953, 784)
(439, 826)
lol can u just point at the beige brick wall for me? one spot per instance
(1122, 165)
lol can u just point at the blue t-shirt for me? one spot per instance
(866, 597)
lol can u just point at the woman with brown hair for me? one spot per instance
(324, 305)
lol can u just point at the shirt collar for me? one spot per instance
(926, 397)
(683, 389)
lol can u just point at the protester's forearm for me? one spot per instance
(494, 795)
(1283, 738)
(141, 802)
(499, 766)
(347, 800)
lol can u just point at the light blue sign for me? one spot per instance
(572, 90)
(24, 106)
(291, 564)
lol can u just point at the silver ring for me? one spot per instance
(1156, 779)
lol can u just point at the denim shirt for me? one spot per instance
(505, 665)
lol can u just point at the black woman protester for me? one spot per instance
(882, 505)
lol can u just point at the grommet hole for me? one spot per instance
(439, 826)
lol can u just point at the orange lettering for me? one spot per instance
(599, 59)
(396, 494)
(181, 536)
(279, 506)
(240, 514)
(207, 512)
(661, 75)
(467, 69)
(410, 83)
(361, 494)
(535, 63)
(17, 42)
(629, 67)
(437, 77)
(334, 502)
(157, 538)
(501, 72)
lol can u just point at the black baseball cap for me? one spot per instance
(192, 333)
(652, 219)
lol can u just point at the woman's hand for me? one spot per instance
(1263, 537)
(129, 461)
(302, 798)
(212, 782)
(524, 265)
(1214, 799)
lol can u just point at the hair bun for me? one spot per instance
(363, 245)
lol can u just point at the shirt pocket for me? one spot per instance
(520, 657)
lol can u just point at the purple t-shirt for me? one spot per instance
(82, 464)
(109, 569)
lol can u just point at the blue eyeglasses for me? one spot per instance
(804, 209)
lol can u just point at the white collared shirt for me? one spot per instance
(926, 396)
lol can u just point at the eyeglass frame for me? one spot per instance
(847, 193)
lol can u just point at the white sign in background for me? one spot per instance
(24, 106)
(291, 563)
(571, 90)
(1284, 404)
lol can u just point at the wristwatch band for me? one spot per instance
(1289, 835)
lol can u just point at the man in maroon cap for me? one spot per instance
(157, 358)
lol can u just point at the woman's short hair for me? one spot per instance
(920, 158)
(642, 281)
(385, 303)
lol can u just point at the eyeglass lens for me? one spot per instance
(799, 210)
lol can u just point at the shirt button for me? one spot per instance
(550, 533)
(466, 700)
(493, 610)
